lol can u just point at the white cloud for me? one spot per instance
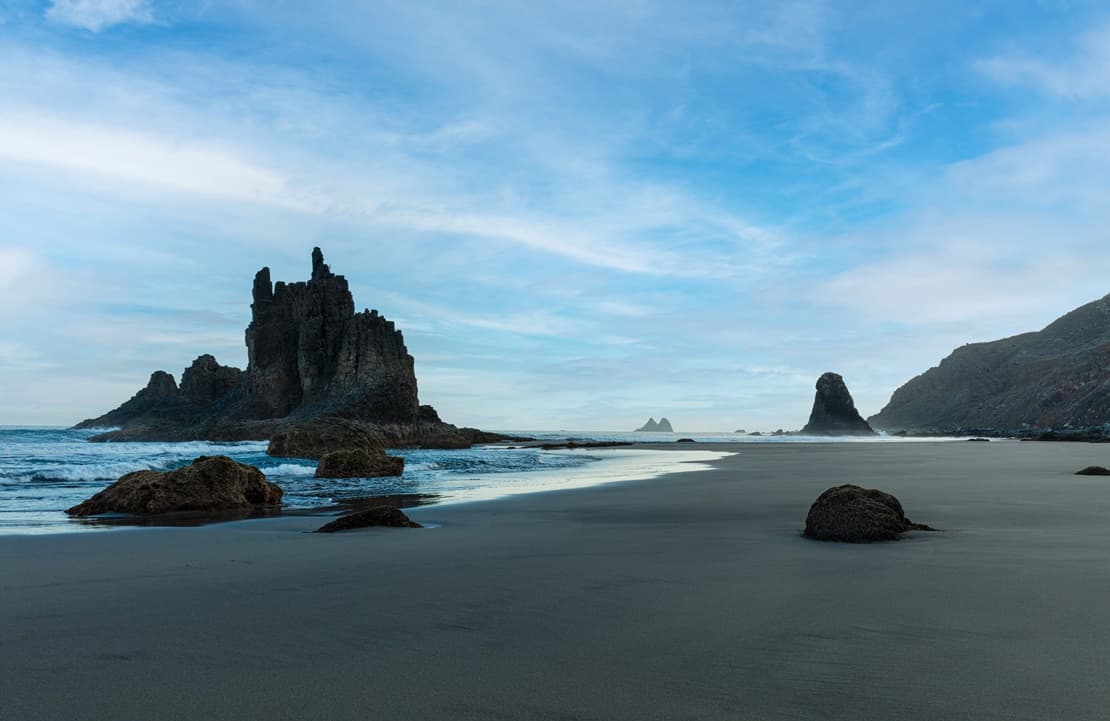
(96, 15)
(1085, 74)
(14, 264)
(146, 159)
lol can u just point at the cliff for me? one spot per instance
(311, 359)
(834, 412)
(1053, 378)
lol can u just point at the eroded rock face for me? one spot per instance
(376, 516)
(359, 463)
(311, 357)
(834, 412)
(852, 514)
(206, 381)
(210, 483)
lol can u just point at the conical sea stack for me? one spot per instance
(834, 413)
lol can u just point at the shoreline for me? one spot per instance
(690, 595)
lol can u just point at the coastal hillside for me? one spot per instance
(1053, 378)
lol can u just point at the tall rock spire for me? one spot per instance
(834, 412)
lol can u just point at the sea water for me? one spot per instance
(44, 471)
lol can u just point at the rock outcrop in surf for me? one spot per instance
(209, 484)
(662, 426)
(313, 363)
(834, 412)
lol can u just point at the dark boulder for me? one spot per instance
(853, 514)
(210, 483)
(685, 440)
(359, 463)
(376, 516)
(834, 412)
(1093, 471)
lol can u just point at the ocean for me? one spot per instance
(44, 471)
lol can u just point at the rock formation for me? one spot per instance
(834, 412)
(313, 362)
(210, 484)
(1054, 378)
(857, 515)
(376, 516)
(663, 426)
(1093, 471)
(359, 463)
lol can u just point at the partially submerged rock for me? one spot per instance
(359, 463)
(834, 412)
(314, 438)
(1093, 471)
(853, 514)
(571, 445)
(376, 516)
(210, 484)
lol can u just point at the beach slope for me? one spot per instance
(691, 596)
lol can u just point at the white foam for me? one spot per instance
(289, 469)
(94, 472)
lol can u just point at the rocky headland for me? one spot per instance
(1056, 380)
(319, 376)
(834, 412)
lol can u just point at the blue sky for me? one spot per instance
(581, 214)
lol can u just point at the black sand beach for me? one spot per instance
(691, 596)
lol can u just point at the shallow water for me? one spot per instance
(43, 471)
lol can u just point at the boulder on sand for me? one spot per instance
(1093, 471)
(853, 514)
(210, 484)
(359, 463)
(376, 516)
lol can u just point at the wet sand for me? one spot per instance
(691, 596)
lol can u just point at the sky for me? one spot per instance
(581, 214)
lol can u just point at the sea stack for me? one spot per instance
(834, 412)
(314, 366)
(663, 426)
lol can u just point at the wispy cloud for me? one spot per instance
(97, 15)
(1083, 73)
(146, 159)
